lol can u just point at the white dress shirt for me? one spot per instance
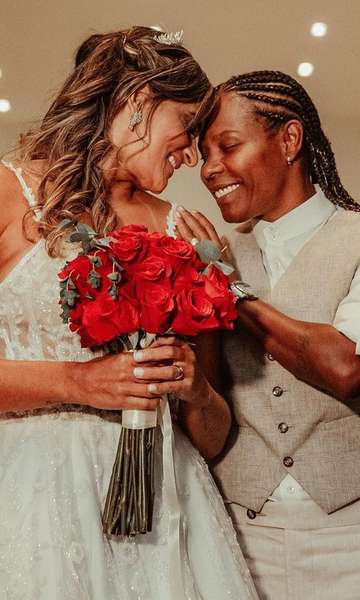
(280, 242)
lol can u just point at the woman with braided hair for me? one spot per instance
(123, 122)
(291, 473)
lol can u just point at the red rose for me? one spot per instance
(129, 243)
(216, 286)
(157, 304)
(194, 312)
(78, 271)
(153, 268)
(106, 318)
(185, 277)
(180, 253)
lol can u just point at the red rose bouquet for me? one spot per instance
(118, 294)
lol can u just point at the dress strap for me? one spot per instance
(170, 221)
(27, 191)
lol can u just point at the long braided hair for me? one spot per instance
(278, 98)
(73, 137)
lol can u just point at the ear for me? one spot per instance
(292, 139)
(140, 98)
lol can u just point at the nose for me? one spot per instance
(210, 169)
(191, 155)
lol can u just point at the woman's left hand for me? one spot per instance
(192, 225)
(169, 366)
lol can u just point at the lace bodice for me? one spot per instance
(30, 323)
(55, 466)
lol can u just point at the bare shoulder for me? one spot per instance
(12, 203)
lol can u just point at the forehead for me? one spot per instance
(235, 113)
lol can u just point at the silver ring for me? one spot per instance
(180, 373)
(194, 241)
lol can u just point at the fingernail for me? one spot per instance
(195, 212)
(152, 387)
(180, 208)
(138, 372)
(138, 355)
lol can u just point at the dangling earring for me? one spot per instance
(135, 119)
(289, 161)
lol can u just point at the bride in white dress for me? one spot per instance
(60, 407)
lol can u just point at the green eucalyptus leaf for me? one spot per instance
(113, 291)
(85, 229)
(134, 339)
(65, 313)
(66, 223)
(114, 276)
(208, 252)
(225, 267)
(94, 279)
(75, 237)
(96, 261)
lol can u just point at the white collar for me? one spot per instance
(304, 218)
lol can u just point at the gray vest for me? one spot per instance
(282, 424)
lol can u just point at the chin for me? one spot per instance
(229, 216)
(155, 187)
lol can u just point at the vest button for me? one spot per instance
(251, 513)
(269, 356)
(288, 461)
(277, 391)
(283, 427)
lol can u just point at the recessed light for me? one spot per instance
(4, 105)
(318, 29)
(305, 69)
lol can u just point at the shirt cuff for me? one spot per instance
(350, 335)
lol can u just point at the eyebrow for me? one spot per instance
(203, 146)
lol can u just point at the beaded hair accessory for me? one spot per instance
(171, 38)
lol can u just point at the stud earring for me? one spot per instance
(289, 161)
(135, 119)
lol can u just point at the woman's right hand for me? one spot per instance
(108, 383)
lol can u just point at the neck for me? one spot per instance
(296, 191)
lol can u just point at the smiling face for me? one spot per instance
(149, 155)
(244, 165)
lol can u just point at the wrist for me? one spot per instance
(73, 386)
(242, 291)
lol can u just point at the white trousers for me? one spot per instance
(295, 551)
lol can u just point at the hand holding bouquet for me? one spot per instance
(120, 293)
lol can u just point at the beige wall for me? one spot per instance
(186, 188)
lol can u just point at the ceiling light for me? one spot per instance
(305, 69)
(318, 29)
(4, 105)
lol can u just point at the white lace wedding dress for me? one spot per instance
(55, 467)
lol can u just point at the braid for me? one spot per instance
(278, 98)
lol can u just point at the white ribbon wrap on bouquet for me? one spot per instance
(175, 538)
(143, 419)
(139, 419)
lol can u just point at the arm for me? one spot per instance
(207, 426)
(315, 353)
(105, 383)
(204, 413)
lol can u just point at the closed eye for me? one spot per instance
(230, 147)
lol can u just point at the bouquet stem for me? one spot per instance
(130, 499)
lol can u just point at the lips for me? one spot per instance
(224, 190)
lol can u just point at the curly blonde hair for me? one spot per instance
(72, 139)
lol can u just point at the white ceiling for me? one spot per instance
(38, 38)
